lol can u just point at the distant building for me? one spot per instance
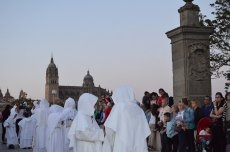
(1, 96)
(54, 91)
(8, 97)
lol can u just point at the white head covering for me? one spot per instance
(86, 104)
(70, 103)
(83, 120)
(41, 116)
(55, 109)
(127, 119)
(123, 94)
(69, 109)
(42, 113)
(36, 106)
(13, 112)
(53, 118)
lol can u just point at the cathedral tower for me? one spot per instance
(52, 84)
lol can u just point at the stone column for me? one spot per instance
(190, 55)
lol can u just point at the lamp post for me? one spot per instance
(53, 92)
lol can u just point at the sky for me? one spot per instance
(119, 42)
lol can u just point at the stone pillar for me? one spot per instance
(190, 55)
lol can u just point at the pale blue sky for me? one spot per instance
(120, 42)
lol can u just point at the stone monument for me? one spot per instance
(190, 55)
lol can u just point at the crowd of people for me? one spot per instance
(119, 123)
(94, 125)
(188, 125)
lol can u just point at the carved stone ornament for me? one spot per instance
(198, 62)
(189, 6)
(188, 0)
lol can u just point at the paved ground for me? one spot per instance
(3, 147)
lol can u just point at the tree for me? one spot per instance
(220, 40)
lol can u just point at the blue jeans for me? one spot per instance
(203, 142)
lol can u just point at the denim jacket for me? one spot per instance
(188, 118)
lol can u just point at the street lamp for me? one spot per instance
(53, 92)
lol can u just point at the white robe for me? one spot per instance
(55, 130)
(41, 116)
(126, 126)
(68, 115)
(27, 127)
(11, 134)
(85, 135)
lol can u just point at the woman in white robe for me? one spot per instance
(9, 124)
(55, 130)
(68, 115)
(26, 131)
(41, 116)
(35, 107)
(85, 135)
(126, 127)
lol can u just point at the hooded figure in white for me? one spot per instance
(41, 116)
(55, 130)
(35, 107)
(126, 127)
(27, 125)
(67, 116)
(85, 135)
(9, 123)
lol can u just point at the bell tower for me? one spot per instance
(52, 84)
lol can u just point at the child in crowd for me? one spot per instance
(27, 125)
(165, 141)
(204, 138)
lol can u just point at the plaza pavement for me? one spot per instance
(3, 147)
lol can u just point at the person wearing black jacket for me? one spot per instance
(5, 115)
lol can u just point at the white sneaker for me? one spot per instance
(204, 150)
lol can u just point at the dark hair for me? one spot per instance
(7, 107)
(161, 89)
(220, 94)
(226, 95)
(185, 101)
(207, 97)
(167, 114)
(171, 101)
(165, 95)
(146, 93)
(26, 114)
(153, 94)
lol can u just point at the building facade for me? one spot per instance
(54, 91)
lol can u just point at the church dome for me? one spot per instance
(88, 77)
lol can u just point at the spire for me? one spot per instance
(52, 60)
(7, 94)
(88, 72)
